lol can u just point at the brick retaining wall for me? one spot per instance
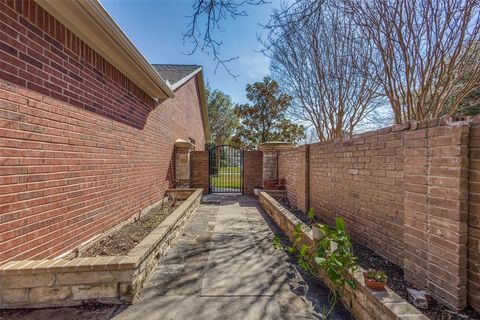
(107, 279)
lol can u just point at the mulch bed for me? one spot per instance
(368, 259)
(120, 242)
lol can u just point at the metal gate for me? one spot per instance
(225, 169)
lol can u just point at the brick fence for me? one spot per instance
(473, 247)
(409, 192)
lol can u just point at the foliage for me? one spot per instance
(311, 215)
(333, 254)
(376, 275)
(221, 116)
(470, 105)
(265, 119)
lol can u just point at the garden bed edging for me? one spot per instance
(110, 279)
(363, 303)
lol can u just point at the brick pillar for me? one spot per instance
(270, 159)
(182, 163)
(435, 220)
(252, 171)
(199, 170)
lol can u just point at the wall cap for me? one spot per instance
(275, 146)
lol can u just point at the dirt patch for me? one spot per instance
(368, 259)
(120, 242)
(92, 311)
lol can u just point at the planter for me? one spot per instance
(108, 279)
(363, 303)
(374, 284)
(256, 191)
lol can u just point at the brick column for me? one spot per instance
(182, 163)
(435, 221)
(252, 171)
(270, 159)
(199, 170)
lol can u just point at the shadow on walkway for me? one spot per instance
(222, 266)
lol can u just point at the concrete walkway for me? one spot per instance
(223, 266)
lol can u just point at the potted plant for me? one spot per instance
(256, 190)
(375, 279)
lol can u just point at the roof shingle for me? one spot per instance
(173, 73)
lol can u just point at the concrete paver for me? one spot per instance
(224, 266)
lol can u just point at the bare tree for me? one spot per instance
(325, 64)
(207, 19)
(425, 49)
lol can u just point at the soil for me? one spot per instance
(368, 259)
(120, 242)
(92, 311)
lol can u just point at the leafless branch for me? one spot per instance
(428, 52)
(325, 65)
(207, 19)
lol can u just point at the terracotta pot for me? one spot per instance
(374, 284)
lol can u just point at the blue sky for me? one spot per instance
(156, 28)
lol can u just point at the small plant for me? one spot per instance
(375, 279)
(333, 254)
(311, 215)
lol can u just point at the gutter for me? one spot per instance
(88, 20)
(203, 101)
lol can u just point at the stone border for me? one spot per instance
(113, 279)
(363, 303)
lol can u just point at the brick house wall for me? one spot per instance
(409, 192)
(82, 147)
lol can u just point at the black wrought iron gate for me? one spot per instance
(225, 169)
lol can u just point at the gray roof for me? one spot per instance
(173, 73)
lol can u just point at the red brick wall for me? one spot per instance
(81, 147)
(199, 167)
(252, 171)
(436, 196)
(473, 267)
(293, 167)
(406, 192)
(362, 181)
(40, 54)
